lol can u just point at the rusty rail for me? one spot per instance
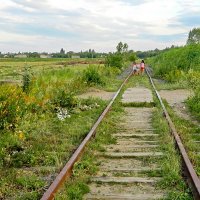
(192, 178)
(67, 170)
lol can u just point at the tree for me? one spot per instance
(114, 60)
(120, 47)
(62, 51)
(194, 36)
(118, 58)
(132, 57)
(125, 47)
(33, 55)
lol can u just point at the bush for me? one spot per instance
(194, 105)
(9, 144)
(114, 60)
(12, 106)
(92, 77)
(26, 79)
(132, 57)
(65, 99)
(194, 101)
(174, 76)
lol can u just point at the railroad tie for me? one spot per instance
(136, 135)
(109, 196)
(128, 170)
(131, 154)
(107, 179)
(122, 174)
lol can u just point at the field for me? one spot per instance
(12, 69)
(42, 121)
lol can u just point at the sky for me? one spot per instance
(75, 25)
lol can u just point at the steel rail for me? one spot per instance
(67, 170)
(192, 178)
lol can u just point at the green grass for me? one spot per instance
(32, 137)
(37, 138)
(164, 85)
(136, 104)
(181, 68)
(172, 182)
(173, 64)
(136, 81)
(47, 142)
(187, 131)
(12, 69)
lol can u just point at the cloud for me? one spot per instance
(189, 19)
(99, 24)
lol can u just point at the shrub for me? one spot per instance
(12, 106)
(9, 144)
(174, 76)
(64, 98)
(194, 101)
(132, 57)
(26, 79)
(92, 77)
(114, 60)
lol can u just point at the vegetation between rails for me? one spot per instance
(172, 182)
(171, 170)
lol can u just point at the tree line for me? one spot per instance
(91, 53)
(193, 38)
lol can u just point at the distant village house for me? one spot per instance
(45, 56)
(20, 56)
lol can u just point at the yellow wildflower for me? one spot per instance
(21, 135)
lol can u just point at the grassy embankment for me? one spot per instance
(41, 126)
(180, 67)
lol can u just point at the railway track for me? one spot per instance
(129, 168)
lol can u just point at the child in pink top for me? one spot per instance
(142, 67)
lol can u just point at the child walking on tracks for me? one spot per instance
(135, 69)
(142, 67)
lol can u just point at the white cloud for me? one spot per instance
(98, 24)
(5, 4)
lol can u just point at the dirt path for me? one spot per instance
(95, 93)
(176, 99)
(125, 166)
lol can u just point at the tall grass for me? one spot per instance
(181, 65)
(31, 132)
(176, 61)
